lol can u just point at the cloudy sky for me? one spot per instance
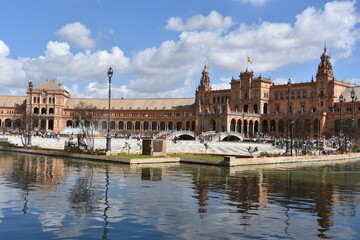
(158, 48)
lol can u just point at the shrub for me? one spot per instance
(7, 145)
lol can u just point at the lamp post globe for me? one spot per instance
(108, 136)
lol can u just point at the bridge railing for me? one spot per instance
(231, 133)
(163, 133)
(176, 133)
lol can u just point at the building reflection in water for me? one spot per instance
(248, 193)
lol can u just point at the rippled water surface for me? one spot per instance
(53, 198)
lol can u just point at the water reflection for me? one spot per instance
(105, 231)
(75, 199)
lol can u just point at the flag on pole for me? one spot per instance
(249, 60)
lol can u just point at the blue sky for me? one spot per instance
(158, 48)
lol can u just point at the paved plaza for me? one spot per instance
(183, 146)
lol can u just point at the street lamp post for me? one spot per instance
(288, 116)
(30, 116)
(341, 99)
(108, 136)
(291, 137)
(353, 107)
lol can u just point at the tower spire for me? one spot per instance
(205, 79)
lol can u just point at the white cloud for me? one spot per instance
(76, 34)
(214, 21)
(223, 84)
(79, 67)
(11, 71)
(4, 50)
(270, 45)
(257, 3)
(57, 49)
(280, 81)
(173, 69)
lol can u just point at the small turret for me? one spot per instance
(325, 66)
(205, 79)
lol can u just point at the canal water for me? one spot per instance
(54, 198)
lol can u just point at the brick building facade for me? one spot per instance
(251, 105)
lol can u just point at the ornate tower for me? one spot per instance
(324, 92)
(205, 80)
(325, 71)
(203, 90)
(202, 98)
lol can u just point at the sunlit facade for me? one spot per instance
(250, 106)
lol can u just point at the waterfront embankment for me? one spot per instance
(228, 161)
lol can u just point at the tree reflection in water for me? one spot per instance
(84, 197)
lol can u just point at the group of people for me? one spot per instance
(80, 142)
(338, 143)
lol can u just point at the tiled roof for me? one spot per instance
(49, 85)
(347, 94)
(158, 103)
(11, 101)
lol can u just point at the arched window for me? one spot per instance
(232, 125)
(8, 123)
(43, 110)
(239, 126)
(213, 125)
(265, 108)
(187, 125)
(146, 126)
(246, 108)
(193, 126)
(129, 125)
(304, 94)
(265, 127)
(170, 126)
(255, 108)
(281, 126)
(51, 124)
(298, 94)
(154, 125)
(179, 126)
(69, 123)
